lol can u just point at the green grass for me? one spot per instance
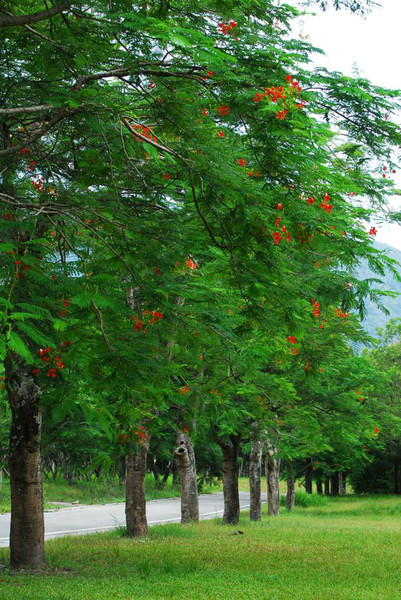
(346, 549)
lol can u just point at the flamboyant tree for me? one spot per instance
(172, 177)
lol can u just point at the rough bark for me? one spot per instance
(319, 486)
(27, 522)
(185, 459)
(230, 450)
(255, 472)
(290, 497)
(308, 476)
(273, 480)
(135, 502)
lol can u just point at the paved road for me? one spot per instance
(89, 519)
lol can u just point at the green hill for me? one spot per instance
(374, 316)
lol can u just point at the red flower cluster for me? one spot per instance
(223, 110)
(152, 317)
(277, 237)
(375, 430)
(38, 184)
(275, 93)
(293, 340)
(254, 174)
(325, 204)
(48, 355)
(227, 27)
(66, 304)
(281, 115)
(146, 132)
(184, 390)
(316, 308)
(191, 264)
(241, 162)
(284, 95)
(373, 231)
(310, 200)
(340, 314)
(139, 433)
(157, 271)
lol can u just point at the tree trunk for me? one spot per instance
(308, 476)
(334, 484)
(273, 480)
(230, 450)
(397, 477)
(155, 471)
(185, 458)
(319, 486)
(341, 483)
(327, 486)
(255, 472)
(122, 472)
(290, 498)
(135, 502)
(27, 522)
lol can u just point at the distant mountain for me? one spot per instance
(374, 316)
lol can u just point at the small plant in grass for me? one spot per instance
(304, 500)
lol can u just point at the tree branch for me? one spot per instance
(32, 138)
(21, 20)
(101, 326)
(25, 109)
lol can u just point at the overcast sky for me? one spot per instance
(374, 45)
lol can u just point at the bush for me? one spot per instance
(304, 500)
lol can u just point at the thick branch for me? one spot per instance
(21, 20)
(25, 109)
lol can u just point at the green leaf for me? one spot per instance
(16, 344)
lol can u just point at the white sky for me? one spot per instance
(374, 45)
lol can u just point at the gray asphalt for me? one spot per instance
(78, 520)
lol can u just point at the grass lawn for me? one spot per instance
(344, 549)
